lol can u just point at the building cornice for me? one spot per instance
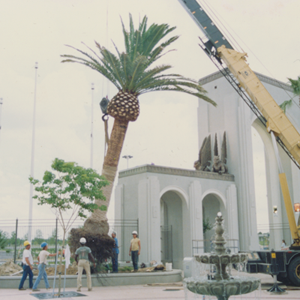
(175, 172)
(262, 78)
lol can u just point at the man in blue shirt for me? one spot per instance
(115, 253)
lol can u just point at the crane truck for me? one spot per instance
(233, 65)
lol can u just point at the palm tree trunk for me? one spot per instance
(97, 222)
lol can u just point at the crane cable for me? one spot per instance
(211, 12)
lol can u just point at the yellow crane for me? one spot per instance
(253, 92)
(277, 123)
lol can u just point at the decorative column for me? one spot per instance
(232, 218)
(119, 215)
(196, 216)
(149, 218)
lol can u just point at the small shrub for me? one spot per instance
(126, 269)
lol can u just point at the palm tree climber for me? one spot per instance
(133, 73)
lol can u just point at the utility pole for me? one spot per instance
(1, 102)
(92, 127)
(32, 156)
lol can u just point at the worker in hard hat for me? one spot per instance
(82, 256)
(27, 263)
(135, 250)
(42, 259)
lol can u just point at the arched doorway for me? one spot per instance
(172, 239)
(211, 205)
(261, 199)
(277, 219)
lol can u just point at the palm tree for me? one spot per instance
(295, 85)
(133, 74)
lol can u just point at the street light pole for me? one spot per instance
(32, 157)
(92, 126)
(1, 102)
(127, 157)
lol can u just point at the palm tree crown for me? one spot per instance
(131, 71)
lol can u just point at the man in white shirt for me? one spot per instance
(27, 262)
(42, 258)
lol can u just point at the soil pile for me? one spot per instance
(72, 270)
(9, 268)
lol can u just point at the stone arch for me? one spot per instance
(180, 192)
(220, 196)
(174, 222)
(212, 202)
(274, 197)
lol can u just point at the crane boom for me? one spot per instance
(277, 121)
(243, 79)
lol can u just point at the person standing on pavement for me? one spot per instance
(135, 250)
(42, 258)
(84, 253)
(27, 262)
(115, 253)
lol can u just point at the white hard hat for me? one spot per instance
(82, 240)
(134, 232)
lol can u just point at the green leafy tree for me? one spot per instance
(52, 238)
(3, 239)
(38, 237)
(12, 239)
(133, 72)
(70, 191)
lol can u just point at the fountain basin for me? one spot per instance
(223, 259)
(222, 289)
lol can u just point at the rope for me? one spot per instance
(106, 136)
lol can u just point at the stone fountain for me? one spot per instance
(223, 285)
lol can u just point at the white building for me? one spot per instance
(170, 204)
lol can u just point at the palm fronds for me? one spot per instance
(131, 71)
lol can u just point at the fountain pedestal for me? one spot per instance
(223, 286)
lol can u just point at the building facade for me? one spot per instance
(171, 204)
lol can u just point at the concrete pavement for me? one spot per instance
(147, 292)
(160, 291)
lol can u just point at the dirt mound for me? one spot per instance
(9, 268)
(72, 270)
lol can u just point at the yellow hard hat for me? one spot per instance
(26, 243)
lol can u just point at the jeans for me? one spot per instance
(115, 262)
(84, 264)
(42, 273)
(26, 271)
(135, 259)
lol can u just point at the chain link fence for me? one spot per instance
(13, 233)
